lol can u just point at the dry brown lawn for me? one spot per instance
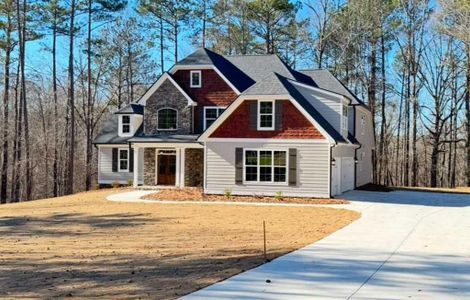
(196, 194)
(457, 190)
(85, 246)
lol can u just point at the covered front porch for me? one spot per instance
(169, 164)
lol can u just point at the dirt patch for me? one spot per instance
(84, 246)
(457, 190)
(194, 194)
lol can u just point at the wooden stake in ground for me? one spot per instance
(264, 235)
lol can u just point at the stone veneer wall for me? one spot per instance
(194, 168)
(149, 166)
(167, 96)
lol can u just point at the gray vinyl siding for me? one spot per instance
(105, 167)
(343, 151)
(312, 169)
(330, 109)
(367, 141)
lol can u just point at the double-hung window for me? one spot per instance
(265, 166)
(126, 124)
(211, 114)
(265, 115)
(123, 160)
(195, 80)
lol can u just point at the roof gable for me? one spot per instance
(158, 83)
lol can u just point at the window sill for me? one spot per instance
(259, 183)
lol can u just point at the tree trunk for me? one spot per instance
(383, 155)
(6, 108)
(55, 168)
(71, 103)
(371, 92)
(162, 54)
(467, 108)
(28, 179)
(89, 149)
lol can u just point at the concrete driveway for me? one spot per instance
(406, 245)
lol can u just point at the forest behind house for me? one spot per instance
(67, 65)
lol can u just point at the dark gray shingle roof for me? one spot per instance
(132, 108)
(170, 138)
(324, 79)
(109, 133)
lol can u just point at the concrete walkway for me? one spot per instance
(407, 245)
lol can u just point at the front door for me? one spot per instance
(166, 169)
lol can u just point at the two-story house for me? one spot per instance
(245, 124)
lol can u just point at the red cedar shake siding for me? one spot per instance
(214, 91)
(294, 125)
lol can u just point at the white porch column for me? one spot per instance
(182, 164)
(136, 167)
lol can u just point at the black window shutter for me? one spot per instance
(131, 160)
(292, 166)
(238, 165)
(278, 115)
(253, 115)
(115, 159)
(200, 119)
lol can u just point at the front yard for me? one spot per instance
(85, 246)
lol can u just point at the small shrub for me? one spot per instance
(130, 182)
(279, 196)
(115, 184)
(95, 187)
(258, 196)
(228, 193)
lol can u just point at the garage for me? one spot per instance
(347, 174)
(342, 175)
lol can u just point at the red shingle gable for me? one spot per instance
(214, 91)
(294, 125)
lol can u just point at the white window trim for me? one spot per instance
(211, 107)
(191, 79)
(272, 182)
(158, 128)
(131, 126)
(259, 116)
(119, 160)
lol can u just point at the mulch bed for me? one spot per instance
(194, 194)
(371, 187)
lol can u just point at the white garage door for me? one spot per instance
(347, 174)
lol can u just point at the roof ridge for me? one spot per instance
(245, 55)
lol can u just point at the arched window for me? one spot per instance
(167, 119)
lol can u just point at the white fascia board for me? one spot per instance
(205, 67)
(158, 83)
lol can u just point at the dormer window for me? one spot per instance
(167, 119)
(126, 124)
(196, 80)
(265, 115)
